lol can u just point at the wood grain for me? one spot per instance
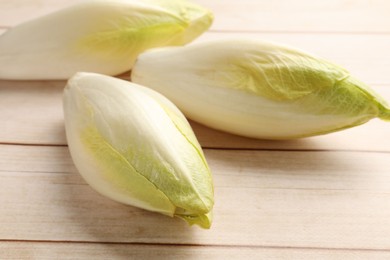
(60, 250)
(325, 197)
(263, 198)
(31, 112)
(365, 56)
(248, 15)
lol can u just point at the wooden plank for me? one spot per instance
(302, 16)
(31, 113)
(39, 120)
(249, 15)
(317, 198)
(44, 250)
(365, 55)
(336, 200)
(371, 136)
(18, 11)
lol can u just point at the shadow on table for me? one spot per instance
(91, 217)
(291, 169)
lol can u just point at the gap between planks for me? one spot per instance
(3, 28)
(299, 32)
(225, 148)
(195, 245)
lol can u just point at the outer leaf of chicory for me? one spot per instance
(134, 146)
(259, 89)
(103, 36)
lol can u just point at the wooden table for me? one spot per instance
(324, 197)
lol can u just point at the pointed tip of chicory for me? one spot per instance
(203, 221)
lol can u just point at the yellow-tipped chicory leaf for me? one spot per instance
(259, 89)
(134, 146)
(103, 36)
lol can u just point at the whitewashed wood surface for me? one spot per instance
(325, 197)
